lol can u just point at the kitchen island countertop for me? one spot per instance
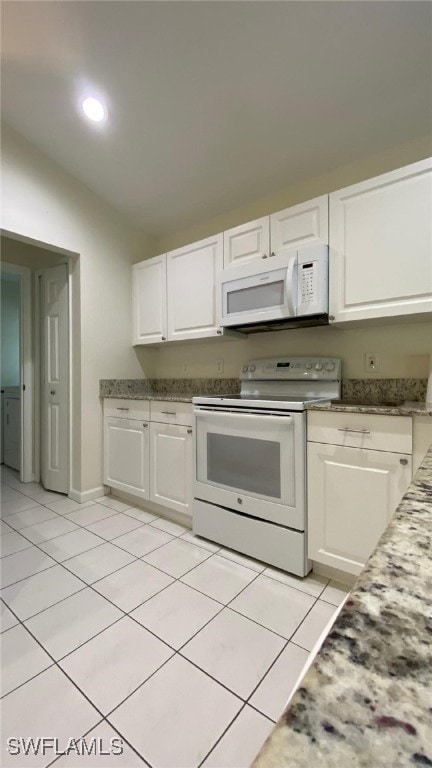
(366, 701)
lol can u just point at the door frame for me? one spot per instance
(30, 428)
(26, 384)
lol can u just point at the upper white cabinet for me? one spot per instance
(193, 302)
(293, 227)
(247, 242)
(303, 224)
(149, 301)
(174, 295)
(381, 246)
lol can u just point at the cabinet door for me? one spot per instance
(303, 224)
(149, 301)
(193, 302)
(247, 242)
(126, 456)
(381, 246)
(352, 494)
(171, 466)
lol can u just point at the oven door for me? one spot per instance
(252, 463)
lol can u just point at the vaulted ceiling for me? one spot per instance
(215, 104)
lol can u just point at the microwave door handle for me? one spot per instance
(290, 287)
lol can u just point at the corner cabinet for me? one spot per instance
(381, 247)
(302, 224)
(359, 467)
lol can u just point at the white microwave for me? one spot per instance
(285, 291)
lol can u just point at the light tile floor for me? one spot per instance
(118, 624)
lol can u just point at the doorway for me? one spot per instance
(41, 412)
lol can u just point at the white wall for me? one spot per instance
(43, 203)
(403, 351)
(10, 332)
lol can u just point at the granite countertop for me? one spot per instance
(173, 390)
(383, 396)
(366, 701)
(414, 408)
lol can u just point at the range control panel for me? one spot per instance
(292, 368)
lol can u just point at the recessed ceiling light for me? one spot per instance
(93, 109)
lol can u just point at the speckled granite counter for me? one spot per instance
(405, 409)
(366, 701)
(178, 390)
(357, 392)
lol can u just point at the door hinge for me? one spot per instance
(23, 386)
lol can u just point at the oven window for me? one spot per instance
(256, 297)
(244, 463)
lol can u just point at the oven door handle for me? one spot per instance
(257, 417)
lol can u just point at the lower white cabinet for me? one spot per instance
(353, 490)
(171, 466)
(126, 456)
(148, 449)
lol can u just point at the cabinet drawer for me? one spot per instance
(128, 409)
(361, 430)
(168, 412)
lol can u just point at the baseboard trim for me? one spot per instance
(158, 509)
(94, 493)
(334, 573)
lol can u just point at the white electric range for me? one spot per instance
(250, 478)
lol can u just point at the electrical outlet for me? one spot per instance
(220, 365)
(372, 362)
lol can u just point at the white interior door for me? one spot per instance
(55, 379)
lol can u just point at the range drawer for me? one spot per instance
(128, 409)
(169, 412)
(361, 430)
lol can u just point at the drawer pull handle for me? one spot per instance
(189, 431)
(169, 413)
(403, 461)
(359, 431)
(145, 425)
(122, 409)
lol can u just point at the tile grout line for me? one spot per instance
(175, 651)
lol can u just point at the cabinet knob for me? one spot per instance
(219, 332)
(52, 391)
(331, 318)
(145, 425)
(403, 461)
(189, 431)
(163, 338)
(264, 256)
(272, 253)
(239, 501)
